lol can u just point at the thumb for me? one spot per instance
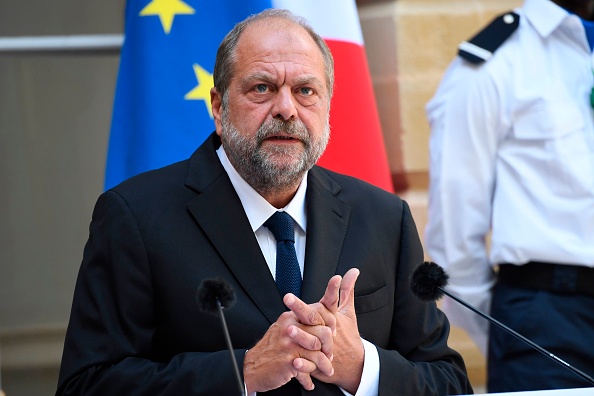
(347, 288)
(331, 296)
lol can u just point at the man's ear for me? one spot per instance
(216, 101)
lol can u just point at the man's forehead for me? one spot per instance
(263, 43)
(275, 34)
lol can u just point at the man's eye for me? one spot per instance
(306, 91)
(261, 88)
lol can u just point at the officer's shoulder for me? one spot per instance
(483, 45)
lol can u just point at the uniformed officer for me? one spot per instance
(511, 200)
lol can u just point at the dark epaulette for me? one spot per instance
(482, 46)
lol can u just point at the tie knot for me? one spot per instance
(281, 226)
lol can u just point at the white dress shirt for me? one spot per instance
(258, 210)
(512, 154)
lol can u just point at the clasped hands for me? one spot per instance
(319, 340)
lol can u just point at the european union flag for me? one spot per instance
(162, 104)
(162, 108)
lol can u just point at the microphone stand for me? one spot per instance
(230, 348)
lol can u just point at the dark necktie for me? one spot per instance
(288, 275)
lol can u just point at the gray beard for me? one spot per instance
(267, 170)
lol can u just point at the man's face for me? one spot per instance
(275, 124)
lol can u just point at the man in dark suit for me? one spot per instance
(135, 328)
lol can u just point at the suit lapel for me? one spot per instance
(327, 222)
(219, 213)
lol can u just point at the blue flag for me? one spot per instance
(162, 108)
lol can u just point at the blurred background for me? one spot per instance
(55, 116)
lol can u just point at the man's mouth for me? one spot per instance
(282, 137)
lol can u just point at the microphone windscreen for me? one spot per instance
(426, 280)
(212, 289)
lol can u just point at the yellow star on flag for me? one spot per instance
(202, 90)
(166, 10)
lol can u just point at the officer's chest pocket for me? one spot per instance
(553, 137)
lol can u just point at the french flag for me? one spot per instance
(161, 110)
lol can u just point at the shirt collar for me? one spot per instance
(257, 209)
(545, 15)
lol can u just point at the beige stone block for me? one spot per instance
(421, 38)
(428, 33)
(379, 29)
(387, 99)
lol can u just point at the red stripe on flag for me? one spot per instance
(356, 142)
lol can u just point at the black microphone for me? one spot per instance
(213, 296)
(428, 282)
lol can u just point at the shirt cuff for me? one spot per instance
(369, 385)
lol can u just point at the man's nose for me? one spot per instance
(284, 106)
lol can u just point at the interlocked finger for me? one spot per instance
(313, 338)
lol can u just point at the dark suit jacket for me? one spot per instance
(135, 328)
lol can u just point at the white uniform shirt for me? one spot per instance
(512, 153)
(258, 210)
